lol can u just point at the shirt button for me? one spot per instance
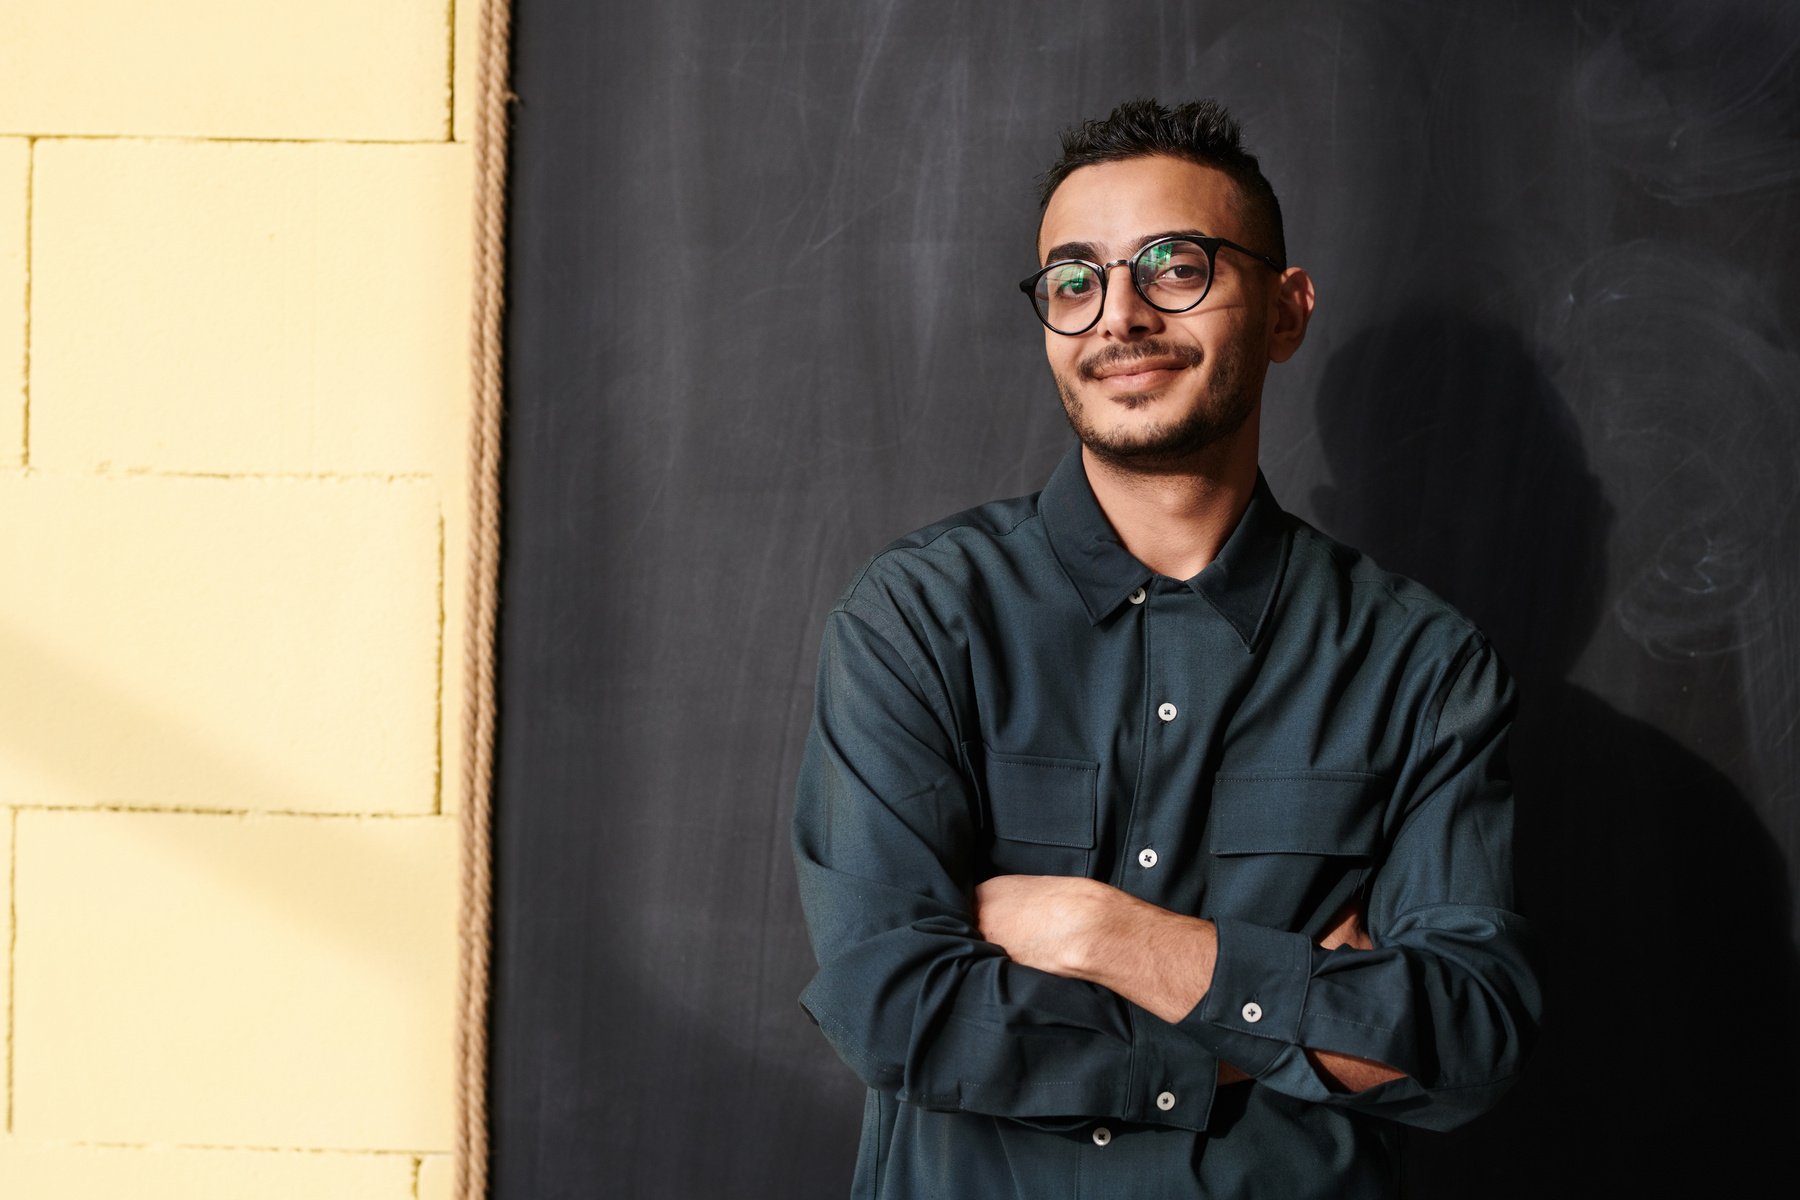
(1166, 1101)
(1137, 596)
(1253, 1012)
(1166, 711)
(1102, 1135)
(1146, 858)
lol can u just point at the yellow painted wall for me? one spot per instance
(234, 295)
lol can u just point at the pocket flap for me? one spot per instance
(1296, 812)
(1045, 800)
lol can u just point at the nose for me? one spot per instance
(1124, 314)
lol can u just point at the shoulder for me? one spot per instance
(1419, 650)
(1386, 606)
(947, 559)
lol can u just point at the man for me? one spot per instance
(1152, 843)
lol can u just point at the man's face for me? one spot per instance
(1144, 388)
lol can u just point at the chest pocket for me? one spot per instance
(1288, 848)
(1040, 814)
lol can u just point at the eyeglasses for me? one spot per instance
(1172, 274)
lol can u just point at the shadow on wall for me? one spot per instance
(1672, 1031)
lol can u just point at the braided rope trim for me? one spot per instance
(475, 920)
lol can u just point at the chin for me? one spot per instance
(1160, 430)
(1156, 444)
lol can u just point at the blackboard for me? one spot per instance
(762, 318)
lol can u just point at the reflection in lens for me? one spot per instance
(1172, 275)
(1066, 295)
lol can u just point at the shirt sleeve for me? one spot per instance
(907, 992)
(1448, 994)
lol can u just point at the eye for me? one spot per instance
(1068, 281)
(1173, 267)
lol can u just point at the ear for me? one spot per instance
(1293, 309)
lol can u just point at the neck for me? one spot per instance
(1175, 520)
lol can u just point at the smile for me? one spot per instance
(1137, 368)
(1138, 376)
(1135, 376)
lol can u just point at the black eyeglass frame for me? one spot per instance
(1209, 244)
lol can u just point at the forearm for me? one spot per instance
(920, 1007)
(1159, 960)
(910, 995)
(1163, 962)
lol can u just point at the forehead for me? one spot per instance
(1113, 206)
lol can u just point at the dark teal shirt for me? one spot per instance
(1010, 691)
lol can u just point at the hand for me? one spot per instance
(1348, 928)
(1041, 921)
(1083, 929)
(1344, 1072)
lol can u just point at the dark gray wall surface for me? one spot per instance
(762, 318)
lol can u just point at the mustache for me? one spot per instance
(1115, 356)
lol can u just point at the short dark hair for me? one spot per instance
(1202, 132)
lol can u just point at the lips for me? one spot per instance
(1138, 367)
(1140, 363)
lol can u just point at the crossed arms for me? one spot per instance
(1158, 960)
(1022, 998)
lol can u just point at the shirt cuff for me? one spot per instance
(1172, 1080)
(1251, 1012)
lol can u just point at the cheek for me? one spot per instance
(1064, 354)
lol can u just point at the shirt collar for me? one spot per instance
(1240, 582)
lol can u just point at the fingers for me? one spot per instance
(1347, 928)
(1230, 1074)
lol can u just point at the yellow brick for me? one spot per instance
(15, 172)
(468, 52)
(457, 551)
(248, 307)
(42, 1172)
(353, 69)
(211, 643)
(451, 474)
(235, 981)
(437, 1177)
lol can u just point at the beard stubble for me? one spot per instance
(1161, 446)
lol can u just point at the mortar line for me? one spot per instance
(281, 476)
(189, 811)
(437, 770)
(450, 91)
(12, 943)
(197, 139)
(25, 366)
(418, 1167)
(348, 1152)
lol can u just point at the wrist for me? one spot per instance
(1112, 924)
(1159, 960)
(1097, 918)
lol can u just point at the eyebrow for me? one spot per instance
(1091, 253)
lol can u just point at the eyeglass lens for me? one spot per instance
(1172, 275)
